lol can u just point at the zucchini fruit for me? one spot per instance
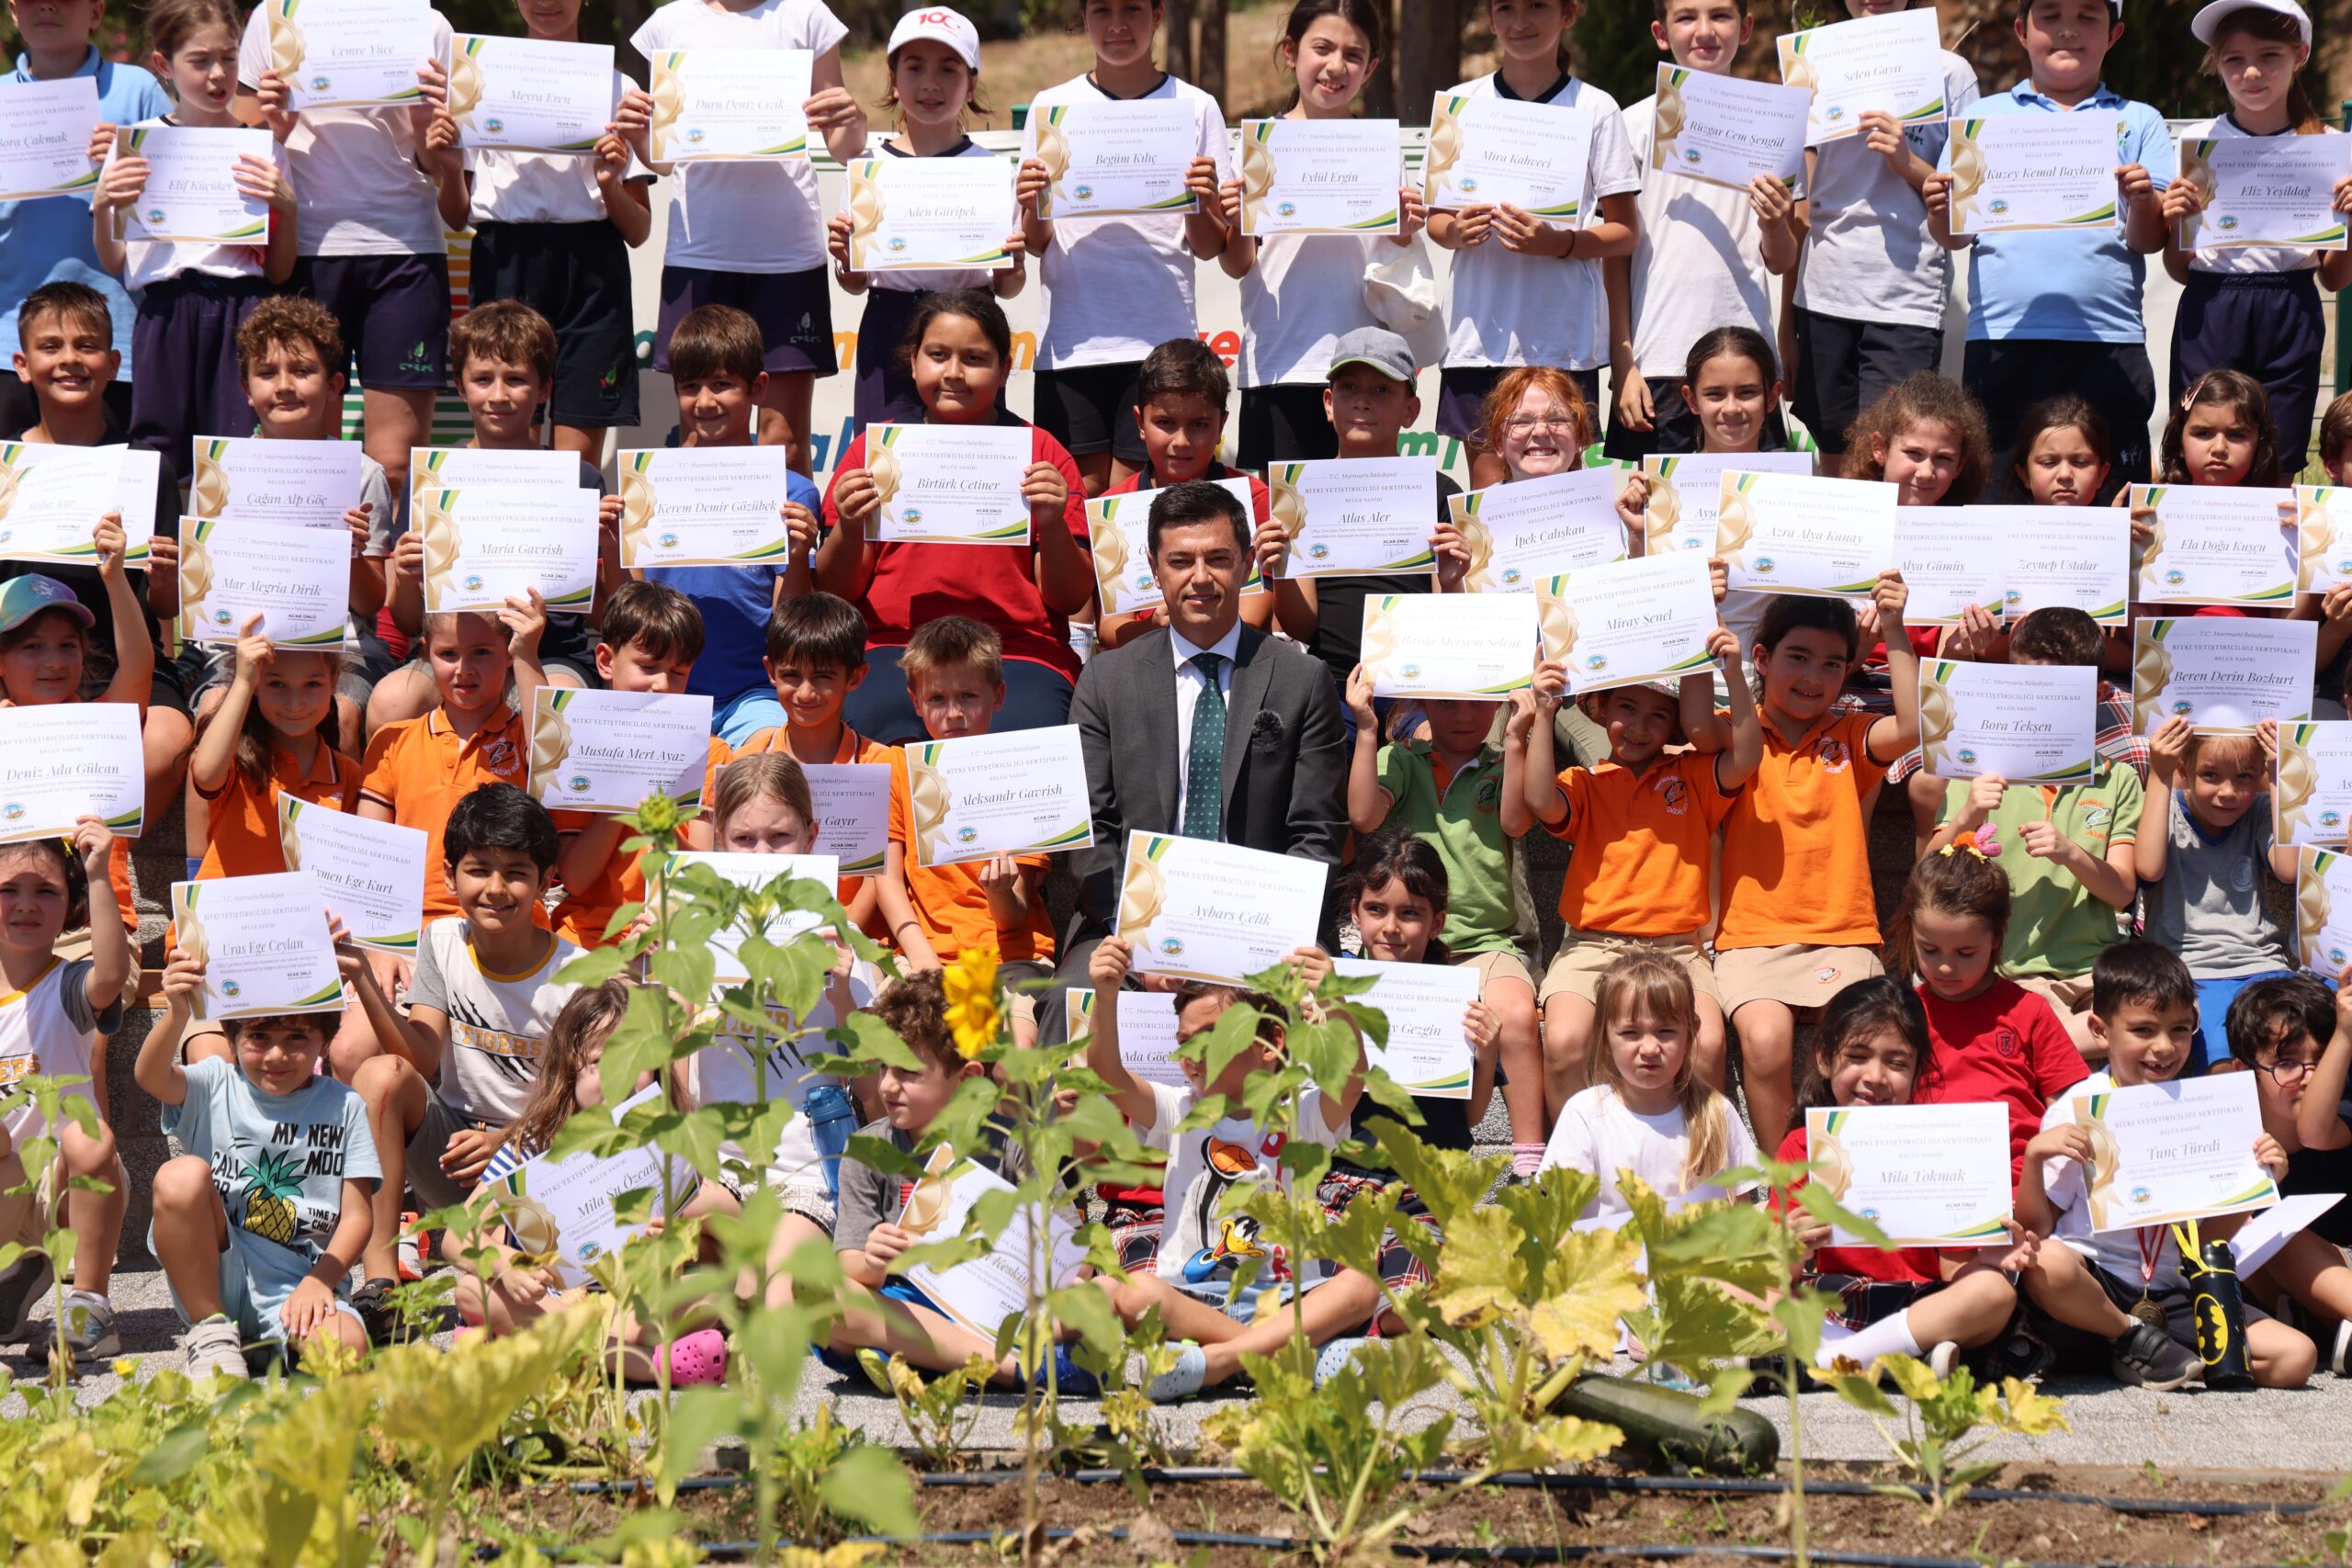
(1665, 1422)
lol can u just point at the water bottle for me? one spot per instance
(832, 1119)
(2219, 1316)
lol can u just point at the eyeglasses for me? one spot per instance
(1524, 425)
(2285, 1073)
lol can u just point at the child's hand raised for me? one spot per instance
(1271, 546)
(1520, 723)
(1412, 214)
(1000, 874)
(1634, 493)
(1048, 494)
(356, 519)
(107, 537)
(2337, 605)
(1984, 793)
(1722, 647)
(525, 620)
(1311, 964)
(350, 958)
(1889, 595)
(1031, 183)
(1719, 577)
(800, 527)
(856, 498)
(274, 95)
(2342, 202)
(183, 979)
(92, 843)
(408, 558)
(1107, 967)
(1358, 697)
(2168, 747)
(2266, 735)
(1452, 557)
(1228, 200)
(252, 652)
(1550, 684)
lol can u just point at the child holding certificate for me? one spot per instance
(2254, 308)
(274, 732)
(2125, 1286)
(1648, 1110)
(1926, 437)
(1873, 1048)
(2058, 309)
(1302, 293)
(934, 58)
(55, 1020)
(2210, 867)
(1511, 302)
(192, 297)
(1111, 287)
(1644, 825)
(2289, 1032)
(516, 1296)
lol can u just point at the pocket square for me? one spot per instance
(1267, 728)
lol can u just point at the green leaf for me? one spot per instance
(869, 1485)
(698, 1416)
(174, 1457)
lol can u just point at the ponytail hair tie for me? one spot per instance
(1982, 842)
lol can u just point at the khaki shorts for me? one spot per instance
(2069, 997)
(33, 1229)
(1504, 963)
(1797, 975)
(1585, 955)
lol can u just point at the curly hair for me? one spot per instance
(915, 1009)
(1923, 397)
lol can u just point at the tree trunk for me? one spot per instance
(1179, 40)
(1211, 64)
(1429, 51)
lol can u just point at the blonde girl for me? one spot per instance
(1649, 1112)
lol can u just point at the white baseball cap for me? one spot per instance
(950, 27)
(2207, 21)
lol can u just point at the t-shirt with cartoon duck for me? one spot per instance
(1200, 1245)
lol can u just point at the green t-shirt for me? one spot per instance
(2056, 927)
(1465, 824)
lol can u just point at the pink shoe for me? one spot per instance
(698, 1358)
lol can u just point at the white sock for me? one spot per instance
(1887, 1336)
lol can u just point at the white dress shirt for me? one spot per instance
(1190, 684)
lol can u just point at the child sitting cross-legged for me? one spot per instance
(258, 1223)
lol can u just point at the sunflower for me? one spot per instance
(973, 1015)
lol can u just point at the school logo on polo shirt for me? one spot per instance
(1673, 796)
(498, 754)
(1833, 754)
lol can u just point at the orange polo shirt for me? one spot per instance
(949, 900)
(1796, 848)
(419, 769)
(245, 839)
(589, 908)
(1643, 844)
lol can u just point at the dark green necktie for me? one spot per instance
(1204, 768)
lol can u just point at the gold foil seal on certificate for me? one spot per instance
(1110, 543)
(2144, 557)
(1967, 175)
(196, 579)
(639, 503)
(2098, 1175)
(189, 935)
(289, 838)
(531, 1224)
(884, 468)
(1936, 715)
(1143, 893)
(1379, 643)
(2197, 172)
(1257, 176)
(1661, 514)
(465, 86)
(1736, 525)
(550, 747)
(2313, 906)
(436, 524)
(927, 1205)
(2298, 781)
(2315, 538)
(209, 495)
(1668, 118)
(928, 794)
(866, 209)
(1556, 620)
(286, 40)
(1797, 70)
(2151, 674)
(1478, 541)
(1444, 146)
(1284, 505)
(7, 488)
(1052, 152)
(1832, 1168)
(669, 95)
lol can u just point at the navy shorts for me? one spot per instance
(2011, 375)
(1092, 408)
(394, 311)
(1844, 366)
(794, 311)
(2268, 325)
(1285, 422)
(886, 388)
(1462, 397)
(576, 275)
(184, 340)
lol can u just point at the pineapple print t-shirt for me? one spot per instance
(498, 1023)
(279, 1163)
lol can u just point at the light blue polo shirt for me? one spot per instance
(2073, 285)
(47, 240)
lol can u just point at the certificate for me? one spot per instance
(440, 467)
(756, 873)
(2075, 556)
(1926, 1175)
(191, 194)
(2024, 722)
(263, 942)
(2265, 190)
(1319, 176)
(52, 499)
(46, 150)
(1427, 1052)
(606, 751)
(1207, 911)
(1630, 621)
(852, 805)
(2033, 171)
(1350, 517)
(1485, 150)
(2324, 911)
(982, 1292)
(310, 482)
(2183, 1150)
(1948, 564)
(562, 1207)
(2324, 537)
(2313, 801)
(296, 578)
(528, 94)
(1022, 792)
(2219, 545)
(1119, 528)
(1521, 532)
(1147, 1030)
(1786, 533)
(923, 214)
(489, 543)
(2222, 674)
(1115, 155)
(714, 104)
(704, 506)
(948, 484)
(370, 875)
(1727, 129)
(349, 53)
(1894, 63)
(60, 764)
(1687, 494)
(1465, 645)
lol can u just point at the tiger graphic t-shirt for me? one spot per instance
(498, 1023)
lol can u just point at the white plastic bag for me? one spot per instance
(1400, 286)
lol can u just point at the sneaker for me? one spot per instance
(1943, 1358)
(215, 1350)
(2146, 1356)
(22, 1283)
(373, 1302)
(408, 1254)
(91, 1332)
(1181, 1381)
(1335, 1357)
(2339, 1358)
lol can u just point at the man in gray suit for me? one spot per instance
(1202, 727)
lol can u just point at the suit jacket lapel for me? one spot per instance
(1251, 677)
(1156, 721)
